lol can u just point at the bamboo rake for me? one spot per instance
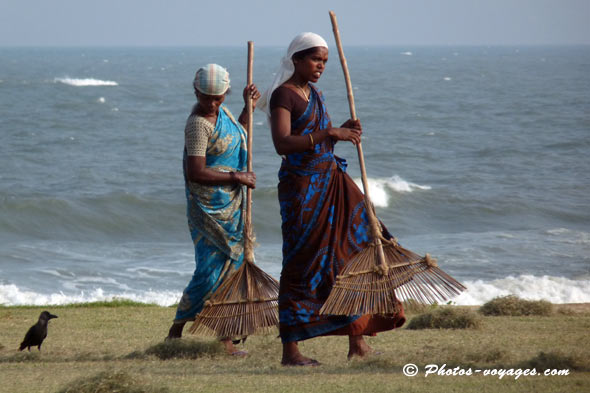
(373, 222)
(367, 285)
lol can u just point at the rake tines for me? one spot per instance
(245, 304)
(429, 284)
(362, 288)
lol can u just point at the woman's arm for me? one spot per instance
(285, 143)
(197, 172)
(253, 92)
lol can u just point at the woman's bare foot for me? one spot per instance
(175, 331)
(230, 348)
(358, 347)
(292, 356)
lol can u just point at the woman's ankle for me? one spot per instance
(357, 347)
(176, 330)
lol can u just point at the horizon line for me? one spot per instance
(280, 46)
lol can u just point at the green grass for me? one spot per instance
(89, 344)
(107, 303)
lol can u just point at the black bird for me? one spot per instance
(37, 332)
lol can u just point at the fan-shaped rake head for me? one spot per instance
(365, 288)
(245, 304)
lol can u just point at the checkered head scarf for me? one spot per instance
(212, 80)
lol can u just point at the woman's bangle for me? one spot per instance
(311, 140)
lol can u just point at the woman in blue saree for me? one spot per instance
(324, 221)
(214, 165)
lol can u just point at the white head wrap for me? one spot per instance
(301, 42)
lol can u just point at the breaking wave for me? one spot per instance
(378, 188)
(85, 82)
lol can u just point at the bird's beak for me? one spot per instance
(51, 316)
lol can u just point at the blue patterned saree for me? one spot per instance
(214, 215)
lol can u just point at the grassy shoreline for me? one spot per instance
(96, 337)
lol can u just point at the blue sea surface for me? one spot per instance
(477, 155)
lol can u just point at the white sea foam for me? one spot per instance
(11, 295)
(377, 191)
(398, 184)
(149, 272)
(447, 78)
(558, 231)
(553, 289)
(378, 188)
(406, 53)
(569, 236)
(101, 100)
(85, 82)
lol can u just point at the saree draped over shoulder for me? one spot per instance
(214, 215)
(324, 224)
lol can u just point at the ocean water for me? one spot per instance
(477, 155)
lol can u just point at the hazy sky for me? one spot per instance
(231, 22)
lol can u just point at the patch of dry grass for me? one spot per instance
(185, 349)
(556, 360)
(514, 306)
(449, 317)
(110, 382)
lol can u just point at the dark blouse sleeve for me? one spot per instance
(281, 97)
(288, 99)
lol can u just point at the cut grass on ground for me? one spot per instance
(110, 382)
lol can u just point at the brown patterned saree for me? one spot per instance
(324, 225)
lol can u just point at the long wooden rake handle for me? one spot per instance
(374, 223)
(248, 237)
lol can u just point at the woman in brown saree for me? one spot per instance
(324, 221)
